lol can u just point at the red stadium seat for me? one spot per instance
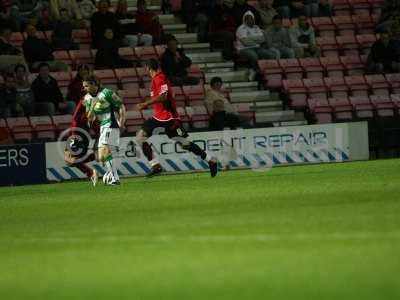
(337, 86)
(134, 121)
(143, 75)
(179, 96)
(291, 68)
(20, 128)
(83, 56)
(127, 53)
(324, 26)
(62, 122)
(378, 84)
(43, 127)
(394, 81)
(128, 77)
(245, 111)
(130, 98)
(63, 78)
(199, 116)
(146, 53)
(328, 46)
(344, 25)
(321, 110)
(348, 44)
(194, 94)
(357, 85)
(160, 49)
(342, 109)
(296, 92)
(82, 36)
(360, 7)
(333, 66)
(63, 56)
(341, 8)
(272, 72)
(185, 119)
(107, 78)
(363, 107)
(383, 105)
(365, 24)
(366, 41)
(353, 64)
(312, 67)
(316, 88)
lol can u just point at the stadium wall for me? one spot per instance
(246, 148)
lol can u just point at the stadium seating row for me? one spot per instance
(341, 109)
(48, 128)
(298, 90)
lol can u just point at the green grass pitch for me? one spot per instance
(307, 232)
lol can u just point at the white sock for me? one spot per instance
(209, 157)
(111, 169)
(154, 162)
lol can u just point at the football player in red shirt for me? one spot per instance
(165, 117)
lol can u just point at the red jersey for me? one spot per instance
(166, 110)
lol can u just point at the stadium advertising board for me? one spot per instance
(245, 148)
(22, 164)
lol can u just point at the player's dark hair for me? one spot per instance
(153, 64)
(215, 80)
(170, 37)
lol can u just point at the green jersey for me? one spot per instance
(104, 108)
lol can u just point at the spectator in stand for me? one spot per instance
(175, 63)
(303, 39)
(24, 92)
(267, 12)
(9, 55)
(133, 32)
(87, 9)
(62, 34)
(8, 96)
(223, 114)
(103, 19)
(279, 39)
(222, 28)
(195, 15)
(37, 50)
(43, 20)
(75, 87)
(384, 57)
(48, 97)
(250, 39)
(240, 8)
(149, 22)
(107, 56)
(283, 8)
(74, 14)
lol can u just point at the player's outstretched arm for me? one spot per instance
(147, 103)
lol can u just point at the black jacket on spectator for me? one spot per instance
(47, 91)
(36, 49)
(8, 49)
(100, 22)
(173, 67)
(107, 56)
(129, 28)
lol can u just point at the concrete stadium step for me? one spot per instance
(252, 96)
(167, 19)
(217, 67)
(245, 86)
(209, 57)
(186, 38)
(233, 76)
(266, 106)
(197, 47)
(275, 116)
(174, 28)
(289, 123)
